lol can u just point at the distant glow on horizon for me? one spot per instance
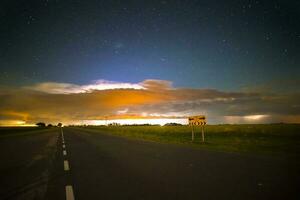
(255, 117)
(246, 119)
(161, 121)
(15, 123)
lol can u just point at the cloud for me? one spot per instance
(53, 102)
(67, 88)
(56, 88)
(283, 86)
(152, 84)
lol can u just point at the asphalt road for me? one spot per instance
(98, 166)
(29, 164)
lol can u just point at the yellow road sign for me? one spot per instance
(197, 120)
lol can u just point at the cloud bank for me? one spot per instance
(71, 103)
(67, 88)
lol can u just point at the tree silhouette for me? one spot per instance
(40, 124)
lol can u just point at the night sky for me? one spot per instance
(227, 46)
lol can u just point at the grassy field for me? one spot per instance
(279, 139)
(19, 131)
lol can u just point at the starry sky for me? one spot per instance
(229, 49)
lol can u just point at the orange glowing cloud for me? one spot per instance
(54, 102)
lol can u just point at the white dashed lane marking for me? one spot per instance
(69, 188)
(66, 165)
(69, 193)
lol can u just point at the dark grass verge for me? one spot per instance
(275, 139)
(6, 132)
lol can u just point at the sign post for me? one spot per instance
(202, 130)
(197, 121)
(193, 134)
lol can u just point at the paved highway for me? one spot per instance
(29, 166)
(73, 163)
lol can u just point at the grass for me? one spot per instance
(268, 138)
(20, 131)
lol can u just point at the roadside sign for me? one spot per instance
(197, 121)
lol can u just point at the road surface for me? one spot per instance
(74, 163)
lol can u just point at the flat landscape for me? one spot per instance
(149, 100)
(277, 139)
(150, 162)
